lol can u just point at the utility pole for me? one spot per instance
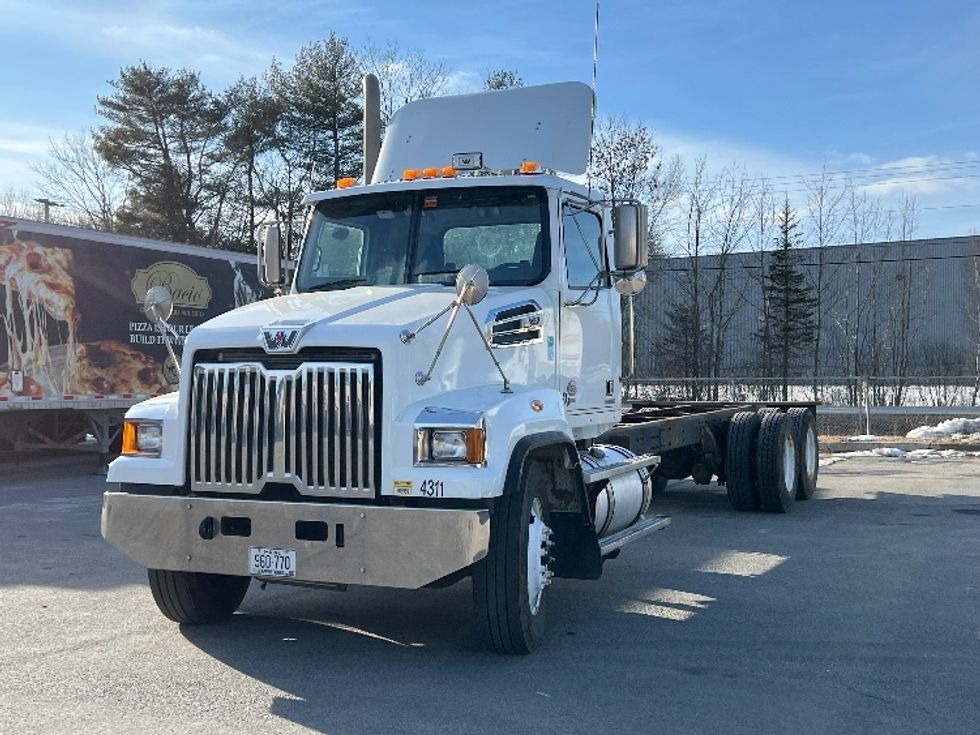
(47, 207)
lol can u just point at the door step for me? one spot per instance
(643, 527)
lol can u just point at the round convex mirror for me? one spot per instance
(158, 304)
(472, 283)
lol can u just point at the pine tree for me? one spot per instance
(680, 348)
(789, 329)
(165, 130)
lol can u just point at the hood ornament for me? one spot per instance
(472, 283)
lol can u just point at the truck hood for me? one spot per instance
(392, 306)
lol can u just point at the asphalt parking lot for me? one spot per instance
(857, 612)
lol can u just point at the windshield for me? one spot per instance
(426, 236)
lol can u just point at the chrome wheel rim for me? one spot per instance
(539, 545)
(811, 453)
(789, 464)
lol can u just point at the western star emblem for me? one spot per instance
(280, 340)
(283, 335)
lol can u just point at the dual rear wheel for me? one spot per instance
(771, 459)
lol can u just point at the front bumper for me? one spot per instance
(381, 546)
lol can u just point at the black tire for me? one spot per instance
(740, 461)
(777, 483)
(195, 598)
(807, 451)
(506, 620)
(658, 482)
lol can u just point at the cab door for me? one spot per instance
(590, 358)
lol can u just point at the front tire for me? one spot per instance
(195, 598)
(510, 584)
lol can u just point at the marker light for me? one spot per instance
(449, 172)
(346, 183)
(430, 173)
(530, 167)
(411, 174)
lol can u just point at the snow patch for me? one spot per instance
(863, 438)
(915, 455)
(962, 429)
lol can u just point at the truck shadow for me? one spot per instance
(695, 603)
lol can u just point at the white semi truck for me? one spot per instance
(438, 394)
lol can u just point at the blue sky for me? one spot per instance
(886, 89)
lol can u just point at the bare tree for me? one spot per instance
(826, 203)
(728, 228)
(685, 331)
(404, 75)
(763, 216)
(627, 163)
(77, 176)
(19, 203)
(909, 215)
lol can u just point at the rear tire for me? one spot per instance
(776, 464)
(508, 619)
(807, 451)
(195, 598)
(740, 461)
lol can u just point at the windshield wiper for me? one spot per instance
(337, 284)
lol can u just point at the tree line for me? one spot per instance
(175, 160)
(871, 315)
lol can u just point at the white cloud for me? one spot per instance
(25, 138)
(462, 82)
(191, 46)
(920, 176)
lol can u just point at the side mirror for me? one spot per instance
(630, 228)
(270, 257)
(158, 304)
(472, 283)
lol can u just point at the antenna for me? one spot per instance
(595, 64)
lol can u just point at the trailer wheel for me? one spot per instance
(658, 482)
(807, 451)
(740, 464)
(510, 585)
(776, 463)
(195, 598)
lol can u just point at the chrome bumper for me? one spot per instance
(380, 546)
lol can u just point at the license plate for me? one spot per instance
(264, 562)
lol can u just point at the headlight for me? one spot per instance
(142, 438)
(451, 445)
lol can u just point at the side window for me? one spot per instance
(584, 257)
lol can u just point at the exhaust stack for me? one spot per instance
(372, 124)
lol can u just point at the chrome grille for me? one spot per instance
(312, 427)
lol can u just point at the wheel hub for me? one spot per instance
(811, 453)
(789, 463)
(539, 545)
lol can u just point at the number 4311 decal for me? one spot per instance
(432, 488)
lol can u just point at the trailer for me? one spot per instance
(76, 350)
